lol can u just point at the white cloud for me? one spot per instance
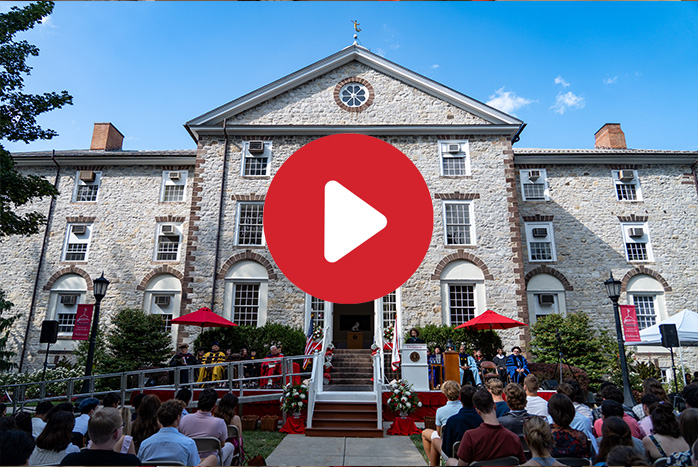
(560, 80)
(610, 80)
(507, 101)
(395, 46)
(46, 22)
(435, 65)
(380, 52)
(566, 101)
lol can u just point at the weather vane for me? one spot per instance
(357, 29)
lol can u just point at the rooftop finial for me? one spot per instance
(357, 29)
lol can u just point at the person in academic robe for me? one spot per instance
(414, 337)
(501, 361)
(271, 368)
(212, 373)
(183, 358)
(468, 369)
(517, 366)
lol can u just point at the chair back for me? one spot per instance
(524, 445)
(454, 451)
(509, 460)
(208, 444)
(488, 370)
(163, 462)
(573, 461)
(232, 431)
(662, 461)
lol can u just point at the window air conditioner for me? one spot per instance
(453, 148)
(256, 147)
(626, 175)
(79, 229)
(69, 300)
(534, 174)
(540, 232)
(162, 300)
(87, 176)
(546, 299)
(174, 175)
(636, 232)
(168, 229)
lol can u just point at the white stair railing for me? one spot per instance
(378, 387)
(316, 382)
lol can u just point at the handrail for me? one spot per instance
(316, 382)
(378, 388)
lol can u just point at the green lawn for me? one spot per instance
(261, 442)
(417, 440)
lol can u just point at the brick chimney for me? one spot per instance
(105, 137)
(610, 136)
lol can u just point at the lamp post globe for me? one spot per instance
(613, 287)
(100, 286)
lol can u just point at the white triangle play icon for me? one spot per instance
(349, 221)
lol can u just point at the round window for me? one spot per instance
(353, 94)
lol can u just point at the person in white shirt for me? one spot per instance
(39, 420)
(535, 404)
(86, 407)
(451, 390)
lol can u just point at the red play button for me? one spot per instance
(348, 218)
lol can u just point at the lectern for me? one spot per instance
(452, 366)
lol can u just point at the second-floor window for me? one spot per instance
(249, 224)
(77, 242)
(86, 186)
(256, 156)
(455, 157)
(627, 185)
(636, 237)
(534, 185)
(458, 223)
(169, 238)
(540, 241)
(174, 182)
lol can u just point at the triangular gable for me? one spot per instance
(215, 117)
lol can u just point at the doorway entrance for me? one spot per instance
(353, 325)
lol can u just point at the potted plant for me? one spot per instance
(294, 398)
(402, 398)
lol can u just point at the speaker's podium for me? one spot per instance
(415, 368)
(452, 366)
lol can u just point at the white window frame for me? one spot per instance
(615, 175)
(79, 183)
(643, 285)
(247, 272)
(313, 305)
(550, 238)
(237, 223)
(246, 155)
(469, 205)
(167, 285)
(463, 154)
(462, 272)
(166, 181)
(635, 296)
(158, 234)
(627, 239)
(447, 299)
(524, 177)
(66, 285)
(73, 239)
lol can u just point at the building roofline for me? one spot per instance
(90, 157)
(603, 156)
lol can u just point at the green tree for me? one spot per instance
(5, 325)
(593, 351)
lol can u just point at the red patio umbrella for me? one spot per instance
(490, 320)
(204, 317)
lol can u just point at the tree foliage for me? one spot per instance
(18, 112)
(487, 341)
(5, 325)
(593, 351)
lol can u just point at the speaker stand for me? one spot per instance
(673, 369)
(48, 346)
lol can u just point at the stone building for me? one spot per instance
(525, 232)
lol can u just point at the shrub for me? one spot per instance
(487, 341)
(545, 371)
(54, 389)
(255, 338)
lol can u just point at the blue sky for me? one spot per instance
(565, 68)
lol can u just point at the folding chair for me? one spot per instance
(208, 444)
(237, 456)
(454, 451)
(163, 462)
(662, 461)
(524, 445)
(509, 460)
(488, 370)
(574, 461)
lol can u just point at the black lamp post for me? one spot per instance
(613, 290)
(100, 290)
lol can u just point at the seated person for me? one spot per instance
(536, 405)
(615, 433)
(517, 366)
(539, 439)
(567, 442)
(666, 438)
(86, 408)
(516, 400)
(451, 390)
(271, 368)
(466, 419)
(495, 387)
(469, 373)
(435, 372)
(215, 373)
(204, 424)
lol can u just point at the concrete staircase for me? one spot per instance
(345, 419)
(351, 367)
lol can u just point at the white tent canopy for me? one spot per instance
(686, 322)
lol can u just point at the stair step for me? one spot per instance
(347, 432)
(345, 414)
(346, 406)
(331, 423)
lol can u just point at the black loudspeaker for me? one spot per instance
(670, 336)
(549, 385)
(49, 332)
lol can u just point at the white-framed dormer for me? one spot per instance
(534, 185)
(256, 158)
(77, 242)
(627, 185)
(458, 222)
(168, 241)
(637, 242)
(454, 157)
(540, 242)
(249, 227)
(86, 186)
(173, 186)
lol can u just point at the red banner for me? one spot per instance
(83, 319)
(629, 320)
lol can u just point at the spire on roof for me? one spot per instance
(356, 29)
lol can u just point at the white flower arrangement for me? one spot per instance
(294, 398)
(317, 334)
(388, 334)
(402, 397)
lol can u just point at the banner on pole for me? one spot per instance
(631, 331)
(83, 320)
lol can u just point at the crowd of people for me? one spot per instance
(103, 434)
(494, 421)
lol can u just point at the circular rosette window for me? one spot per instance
(353, 94)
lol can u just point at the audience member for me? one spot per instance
(53, 444)
(466, 419)
(136, 402)
(579, 400)
(3, 409)
(666, 438)
(649, 386)
(495, 387)
(615, 432)
(611, 392)
(451, 390)
(694, 451)
(648, 402)
(690, 395)
(516, 400)
(62, 407)
(105, 429)
(612, 408)
(86, 408)
(226, 411)
(539, 439)
(580, 422)
(146, 424)
(688, 424)
(567, 442)
(40, 417)
(168, 444)
(490, 440)
(203, 423)
(184, 395)
(112, 400)
(8, 423)
(15, 447)
(625, 455)
(536, 405)
(24, 422)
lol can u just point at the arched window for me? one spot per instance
(162, 297)
(67, 293)
(462, 292)
(546, 295)
(246, 288)
(647, 294)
